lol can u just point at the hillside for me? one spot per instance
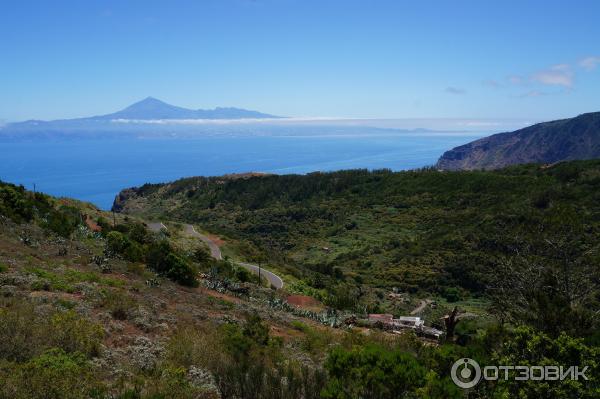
(89, 309)
(417, 231)
(95, 305)
(549, 142)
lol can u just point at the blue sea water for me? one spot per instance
(96, 170)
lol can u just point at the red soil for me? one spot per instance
(303, 301)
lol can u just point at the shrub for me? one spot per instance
(526, 347)
(181, 271)
(452, 294)
(242, 274)
(116, 242)
(63, 221)
(72, 333)
(118, 304)
(372, 372)
(134, 252)
(52, 375)
(24, 333)
(162, 258)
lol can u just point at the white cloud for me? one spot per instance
(589, 63)
(557, 75)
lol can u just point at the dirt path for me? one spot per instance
(422, 305)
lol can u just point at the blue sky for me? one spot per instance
(371, 59)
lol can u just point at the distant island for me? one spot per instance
(149, 111)
(152, 109)
(549, 142)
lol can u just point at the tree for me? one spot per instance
(450, 322)
(551, 280)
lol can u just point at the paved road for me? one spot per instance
(274, 279)
(215, 252)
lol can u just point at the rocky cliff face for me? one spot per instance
(122, 198)
(549, 142)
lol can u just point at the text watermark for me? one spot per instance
(466, 373)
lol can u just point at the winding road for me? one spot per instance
(215, 252)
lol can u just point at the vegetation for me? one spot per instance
(425, 231)
(89, 315)
(22, 206)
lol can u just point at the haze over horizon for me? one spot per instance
(339, 59)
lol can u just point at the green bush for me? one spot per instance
(54, 374)
(63, 221)
(116, 242)
(527, 347)
(24, 333)
(452, 294)
(72, 333)
(372, 372)
(181, 271)
(164, 260)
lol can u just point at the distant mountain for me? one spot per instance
(548, 142)
(152, 108)
(144, 117)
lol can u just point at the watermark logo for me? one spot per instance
(466, 373)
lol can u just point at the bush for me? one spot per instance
(181, 271)
(63, 221)
(528, 347)
(242, 275)
(52, 375)
(452, 294)
(72, 333)
(118, 304)
(371, 372)
(116, 242)
(164, 260)
(24, 333)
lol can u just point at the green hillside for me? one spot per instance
(94, 305)
(416, 230)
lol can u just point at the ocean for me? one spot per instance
(95, 170)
